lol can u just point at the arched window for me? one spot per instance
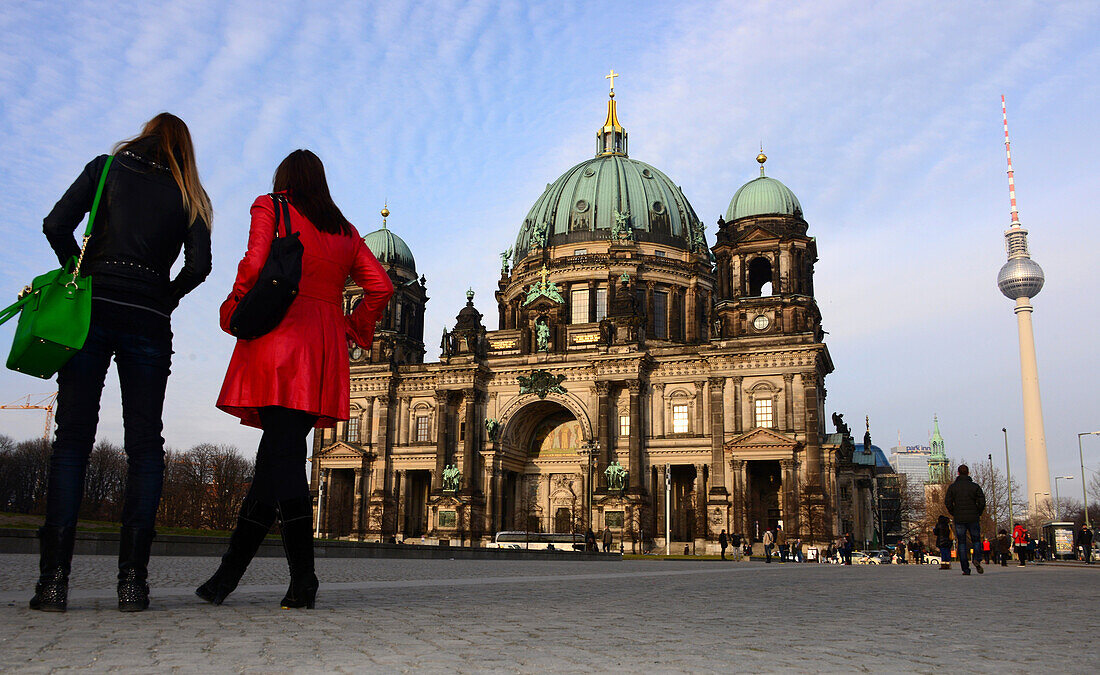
(760, 277)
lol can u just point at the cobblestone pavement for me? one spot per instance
(563, 616)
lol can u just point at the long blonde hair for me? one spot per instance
(176, 150)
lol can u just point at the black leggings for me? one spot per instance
(281, 456)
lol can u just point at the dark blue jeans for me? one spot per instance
(143, 365)
(975, 530)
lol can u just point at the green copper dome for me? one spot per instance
(763, 196)
(390, 249)
(586, 202)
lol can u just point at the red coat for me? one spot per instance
(303, 363)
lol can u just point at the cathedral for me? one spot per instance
(639, 377)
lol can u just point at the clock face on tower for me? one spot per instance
(760, 322)
(356, 354)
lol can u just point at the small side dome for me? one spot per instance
(763, 196)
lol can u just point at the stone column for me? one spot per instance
(635, 444)
(787, 473)
(592, 286)
(382, 445)
(691, 334)
(469, 446)
(738, 423)
(700, 528)
(738, 496)
(603, 431)
(440, 438)
(368, 422)
(788, 401)
(658, 406)
(746, 495)
(699, 430)
(403, 421)
(717, 436)
(401, 488)
(813, 442)
(650, 314)
(357, 504)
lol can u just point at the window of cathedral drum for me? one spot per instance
(760, 277)
(353, 429)
(422, 428)
(764, 416)
(680, 419)
(580, 251)
(624, 426)
(660, 314)
(579, 306)
(601, 303)
(462, 430)
(659, 253)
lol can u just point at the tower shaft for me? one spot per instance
(1035, 444)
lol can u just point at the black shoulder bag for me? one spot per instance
(265, 304)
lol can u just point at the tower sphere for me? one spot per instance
(1020, 278)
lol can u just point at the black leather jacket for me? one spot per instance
(965, 500)
(139, 230)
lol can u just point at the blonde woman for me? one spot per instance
(153, 206)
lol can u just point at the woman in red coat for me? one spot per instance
(295, 378)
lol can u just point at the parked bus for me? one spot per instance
(539, 541)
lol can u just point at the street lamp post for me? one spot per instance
(1008, 474)
(592, 449)
(1081, 455)
(993, 492)
(1056, 479)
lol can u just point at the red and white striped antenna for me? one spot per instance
(1011, 177)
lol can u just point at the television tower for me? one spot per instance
(1021, 279)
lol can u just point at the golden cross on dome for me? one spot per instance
(544, 273)
(611, 76)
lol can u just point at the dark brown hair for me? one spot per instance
(302, 176)
(173, 142)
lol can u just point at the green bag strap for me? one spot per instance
(91, 218)
(13, 309)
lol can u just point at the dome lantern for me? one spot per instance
(611, 137)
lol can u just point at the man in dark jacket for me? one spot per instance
(1084, 540)
(965, 501)
(724, 542)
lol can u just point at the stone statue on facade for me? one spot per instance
(541, 383)
(451, 478)
(505, 256)
(492, 428)
(542, 335)
(445, 343)
(538, 234)
(841, 427)
(621, 229)
(616, 475)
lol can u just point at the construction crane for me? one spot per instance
(40, 402)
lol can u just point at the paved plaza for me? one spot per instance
(564, 616)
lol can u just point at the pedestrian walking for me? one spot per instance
(781, 542)
(723, 542)
(152, 206)
(848, 545)
(986, 548)
(1004, 543)
(768, 541)
(900, 551)
(736, 547)
(942, 532)
(1019, 541)
(296, 377)
(1084, 540)
(607, 539)
(965, 501)
(797, 549)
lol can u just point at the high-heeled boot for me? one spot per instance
(253, 524)
(55, 546)
(296, 520)
(134, 544)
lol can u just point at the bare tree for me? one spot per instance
(104, 483)
(231, 476)
(26, 468)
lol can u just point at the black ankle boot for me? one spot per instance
(55, 546)
(296, 520)
(134, 545)
(253, 523)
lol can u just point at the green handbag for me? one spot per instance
(54, 311)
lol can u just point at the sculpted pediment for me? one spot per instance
(762, 438)
(343, 450)
(758, 233)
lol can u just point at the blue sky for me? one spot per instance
(884, 119)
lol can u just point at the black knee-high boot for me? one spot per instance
(296, 520)
(134, 544)
(253, 523)
(55, 546)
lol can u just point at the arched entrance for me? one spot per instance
(545, 477)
